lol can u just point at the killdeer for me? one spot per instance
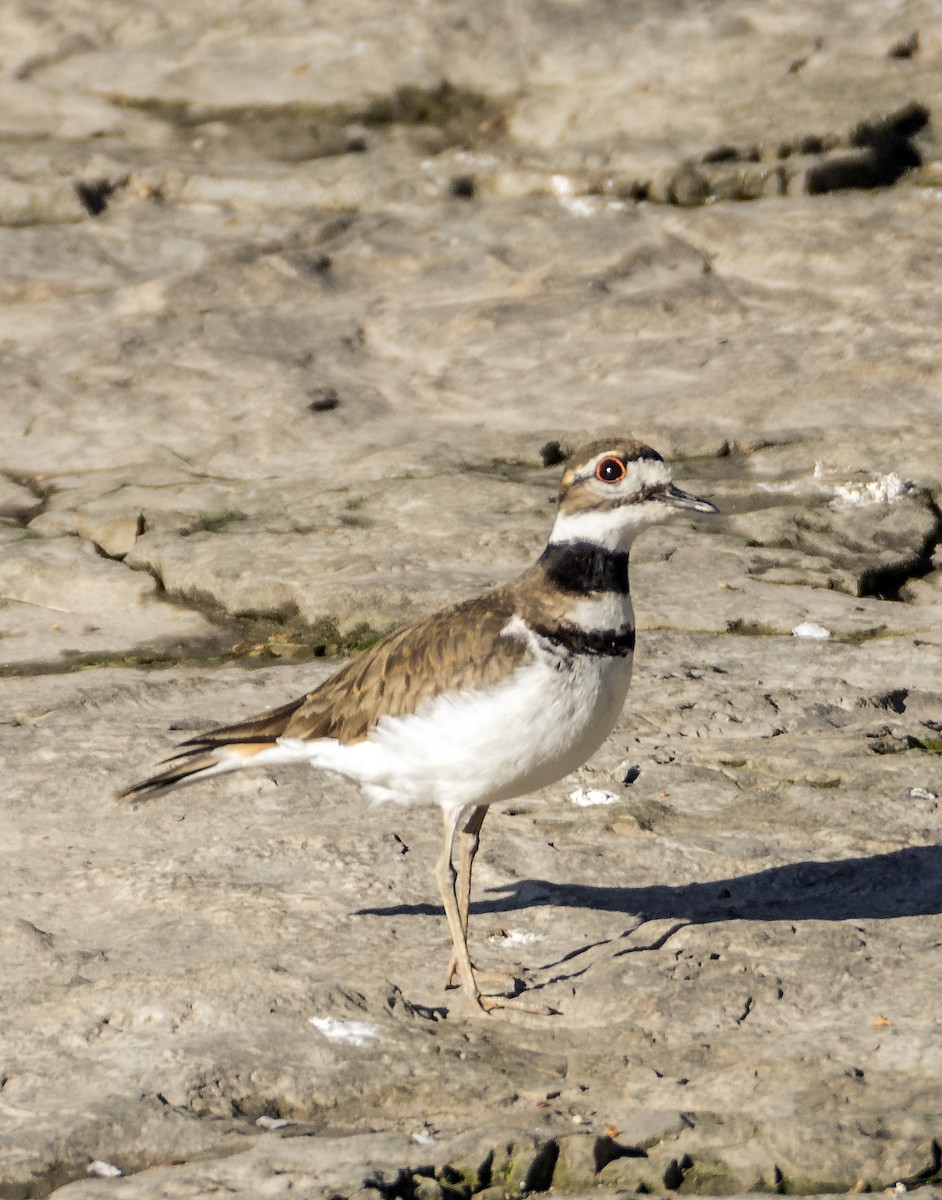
(487, 700)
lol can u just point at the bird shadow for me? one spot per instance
(901, 883)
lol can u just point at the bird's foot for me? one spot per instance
(501, 980)
(512, 985)
(489, 1004)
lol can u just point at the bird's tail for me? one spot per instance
(189, 767)
(218, 752)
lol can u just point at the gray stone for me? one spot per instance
(289, 309)
(62, 602)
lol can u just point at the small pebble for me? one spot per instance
(589, 797)
(356, 1033)
(424, 1135)
(267, 1122)
(103, 1170)
(323, 399)
(809, 629)
(553, 453)
(519, 937)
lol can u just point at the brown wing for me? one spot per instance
(461, 647)
(265, 727)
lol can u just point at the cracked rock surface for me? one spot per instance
(294, 306)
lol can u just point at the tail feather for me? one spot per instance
(190, 766)
(216, 752)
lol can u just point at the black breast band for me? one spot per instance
(601, 643)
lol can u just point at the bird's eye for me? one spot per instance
(610, 470)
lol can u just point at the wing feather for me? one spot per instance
(462, 647)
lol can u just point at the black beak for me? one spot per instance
(677, 499)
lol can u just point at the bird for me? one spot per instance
(488, 699)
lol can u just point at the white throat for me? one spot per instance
(612, 529)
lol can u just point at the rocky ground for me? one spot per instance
(295, 302)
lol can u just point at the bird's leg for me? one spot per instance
(469, 839)
(456, 910)
(446, 876)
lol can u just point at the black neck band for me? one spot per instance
(600, 643)
(581, 568)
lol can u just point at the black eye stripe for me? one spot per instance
(610, 470)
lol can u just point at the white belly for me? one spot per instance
(478, 747)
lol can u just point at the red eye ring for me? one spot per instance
(611, 470)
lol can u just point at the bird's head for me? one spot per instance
(612, 490)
